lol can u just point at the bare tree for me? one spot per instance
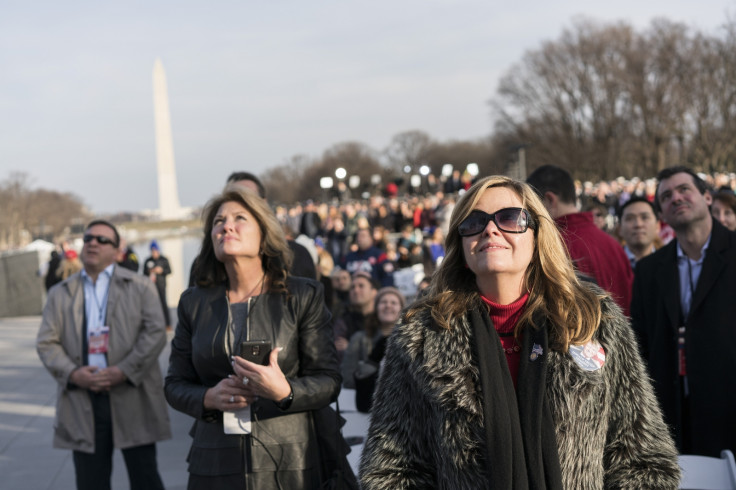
(460, 153)
(713, 94)
(32, 213)
(408, 148)
(660, 68)
(283, 183)
(605, 100)
(358, 160)
(568, 98)
(14, 200)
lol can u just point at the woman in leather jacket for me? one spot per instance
(253, 426)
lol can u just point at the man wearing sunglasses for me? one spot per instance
(100, 337)
(594, 252)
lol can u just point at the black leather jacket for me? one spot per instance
(283, 441)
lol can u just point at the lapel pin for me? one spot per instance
(536, 352)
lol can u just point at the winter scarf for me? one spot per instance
(520, 431)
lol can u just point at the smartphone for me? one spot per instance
(256, 351)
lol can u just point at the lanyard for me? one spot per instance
(100, 305)
(230, 331)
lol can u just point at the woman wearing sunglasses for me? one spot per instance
(512, 373)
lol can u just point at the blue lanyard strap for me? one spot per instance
(100, 305)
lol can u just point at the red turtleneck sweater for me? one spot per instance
(504, 318)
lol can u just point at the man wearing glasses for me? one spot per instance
(100, 337)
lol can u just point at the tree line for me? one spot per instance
(299, 178)
(29, 213)
(602, 100)
(605, 100)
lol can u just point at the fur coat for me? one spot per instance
(427, 428)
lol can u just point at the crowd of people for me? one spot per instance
(410, 229)
(551, 334)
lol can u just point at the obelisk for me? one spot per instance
(168, 196)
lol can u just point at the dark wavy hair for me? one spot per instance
(726, 197)
(668, 172)
(276, 256)
(551, 178)
(238, 176)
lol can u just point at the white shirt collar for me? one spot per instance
(107, 271)
(681, 255)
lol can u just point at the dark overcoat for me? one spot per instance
(710, 340)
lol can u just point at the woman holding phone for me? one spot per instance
(253, 426)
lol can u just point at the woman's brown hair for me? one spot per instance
(276, 256)
(571, 307)
(726, 197)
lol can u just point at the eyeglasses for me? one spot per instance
(102, 240)
(510, 220)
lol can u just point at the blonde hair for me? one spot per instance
(571, 307)
(276, 255)
(68, 267)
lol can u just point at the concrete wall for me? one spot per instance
(21, 289)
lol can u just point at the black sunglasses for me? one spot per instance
(102, 240)
(510, 220)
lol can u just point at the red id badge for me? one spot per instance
(98, 340)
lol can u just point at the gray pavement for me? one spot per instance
(27, 405)
(27, 401)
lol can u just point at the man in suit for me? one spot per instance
(683, 310)
(100, 337)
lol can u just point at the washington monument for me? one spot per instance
(168, 196)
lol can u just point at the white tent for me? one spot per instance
(44, 250)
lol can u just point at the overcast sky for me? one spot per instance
(253, 83)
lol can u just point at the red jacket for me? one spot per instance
(598, 255)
